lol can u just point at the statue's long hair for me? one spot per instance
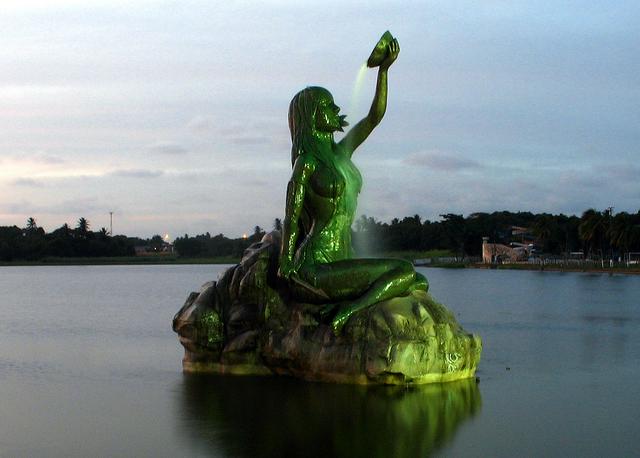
(302, 120)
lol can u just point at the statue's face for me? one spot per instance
(327, 118)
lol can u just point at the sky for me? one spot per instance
(173, 114)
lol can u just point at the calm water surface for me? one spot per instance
(89, 366)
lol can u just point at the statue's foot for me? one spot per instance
(341, 318)
(420, 284)
(336, 315)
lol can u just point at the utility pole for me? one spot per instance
(111, 224)
(610, 211)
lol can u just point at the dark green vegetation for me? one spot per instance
(80, 245)
(32, 243)
(218, 246)
(597, 234)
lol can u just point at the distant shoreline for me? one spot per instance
(556, 268)
(174, 260)
(125, 260)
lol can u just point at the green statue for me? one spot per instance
(299, 304)
(316, 255)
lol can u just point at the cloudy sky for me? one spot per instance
(173, 114)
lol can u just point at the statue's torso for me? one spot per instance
(330, 202)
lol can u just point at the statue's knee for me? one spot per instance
(402, 266)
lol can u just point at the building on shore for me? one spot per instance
(497, 253)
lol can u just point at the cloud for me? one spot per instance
(50, 159)
(167, 148)
(257, 183)
(252, 132)
(81, 206)
(28, 182)
(39, 157)
(136, 173)
(439, 161)
(201, 124)
(189, 175)
(584, 181)
(250, 139)
(621, 172)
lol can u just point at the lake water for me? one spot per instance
(89, 366)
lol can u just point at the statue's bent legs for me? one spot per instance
(355, 284)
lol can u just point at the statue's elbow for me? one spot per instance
(375, 118)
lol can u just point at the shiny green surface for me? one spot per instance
(212, 327)
(380, 51)
(317, 256)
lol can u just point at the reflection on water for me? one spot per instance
(283, 417)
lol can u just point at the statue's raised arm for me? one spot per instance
(387, 50)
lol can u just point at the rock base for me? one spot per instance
(244, 324)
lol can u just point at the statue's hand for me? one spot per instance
(393, 49)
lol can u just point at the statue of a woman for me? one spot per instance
(316, 256)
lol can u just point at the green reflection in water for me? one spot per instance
(281, 417)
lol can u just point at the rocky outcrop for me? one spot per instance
(245, 323)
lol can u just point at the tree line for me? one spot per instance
(595, 234)
(205, 245)
(32, 243)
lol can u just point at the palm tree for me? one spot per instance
(543, 229)
(620, 231)
(592, 230)
(455, 231)
(83, 226)
(624, 233)
(31, 224)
